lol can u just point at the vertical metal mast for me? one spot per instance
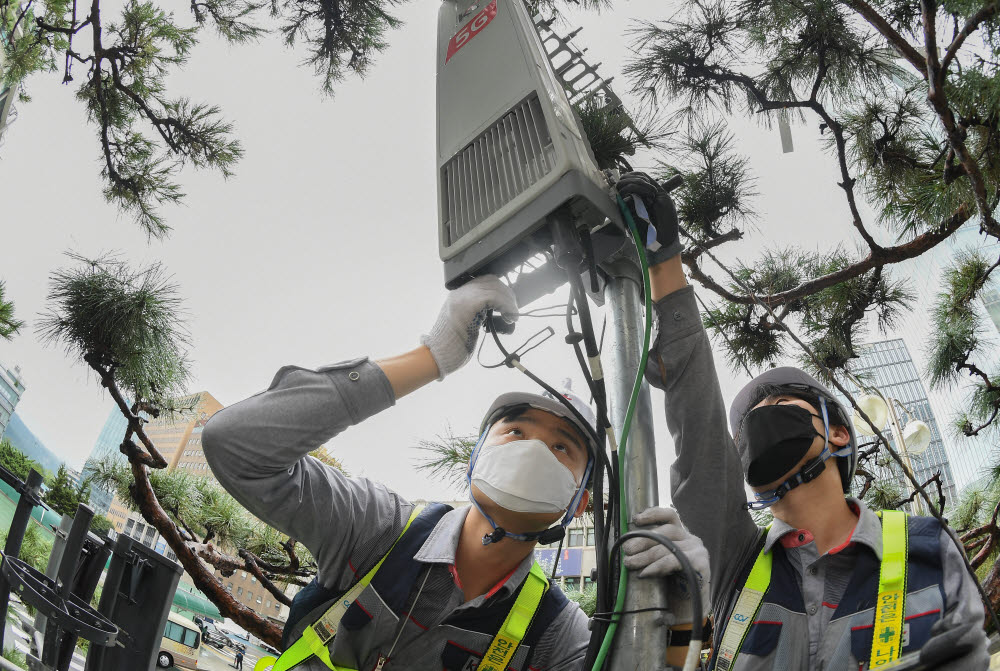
(641, 642)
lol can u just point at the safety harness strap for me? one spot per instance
(317, 636)
(515, 626)
(745, 611)
(890, 607)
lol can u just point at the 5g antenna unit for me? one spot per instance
(510, 152)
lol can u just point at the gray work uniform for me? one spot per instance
(258, 450)
(706, 481)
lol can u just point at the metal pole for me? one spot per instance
(641, 642)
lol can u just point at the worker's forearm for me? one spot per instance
(410, 371)
(666, 278)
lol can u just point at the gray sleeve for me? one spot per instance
(961, 626)
(564, 643)
(258, 450)
(706, 478)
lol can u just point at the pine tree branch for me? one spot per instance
(889, 33)
(984, 14)
(936, 479)
(976, 371)
(869, 481)
(228, 563)
(293, 559)
(847, 181)
(749, 85)
(729, 236)
(203, 578)
(278, 569)
(970, 432)
(956, 135)
(885, 256)
(251, 561)
(152, 457)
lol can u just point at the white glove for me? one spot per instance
(655, 561)
(453, 337)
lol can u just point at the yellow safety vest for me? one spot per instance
(317, 636)
(889, 607)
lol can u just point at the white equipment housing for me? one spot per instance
(510, 150)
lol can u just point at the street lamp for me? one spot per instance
(912, 439)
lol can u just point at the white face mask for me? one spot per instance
(525, 477)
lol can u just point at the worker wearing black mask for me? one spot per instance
(829, 584)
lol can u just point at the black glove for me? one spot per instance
(662, 215)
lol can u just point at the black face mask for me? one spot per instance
(773, 439)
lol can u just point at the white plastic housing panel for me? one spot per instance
(507, 137)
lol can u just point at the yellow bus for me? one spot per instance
(179, 646)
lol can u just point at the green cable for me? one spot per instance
(630, 411)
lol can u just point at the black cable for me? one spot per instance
(599, 460)
(694, 580)
(605, 526)
(521, 350)
(600, 397)
(609, 617)
(555, 564)
(587, 377)
(509, 360)
(601, 523)
(573, 338)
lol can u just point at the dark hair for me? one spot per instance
(765, 391)
(513, 414)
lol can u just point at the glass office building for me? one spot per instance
(889, 367)
(11, 390)
(107, 445)
(969, 456)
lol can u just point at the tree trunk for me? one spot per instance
(992, 586)
(204, 578)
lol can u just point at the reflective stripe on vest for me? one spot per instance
(316, 637)
(745, 612)
(891, 603)
(518, 620)
(889, 610)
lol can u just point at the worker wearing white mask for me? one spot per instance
(404, 587)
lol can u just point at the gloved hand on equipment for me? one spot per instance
(653, 560)
(453, 337)
(657, 210)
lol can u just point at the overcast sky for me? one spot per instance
(323, 246)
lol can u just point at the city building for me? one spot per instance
(107, 446)
(888, 366)
(170, 434)
(29, 444)
(969, 457)
(252, 594)
(11, 390)
(178, 439)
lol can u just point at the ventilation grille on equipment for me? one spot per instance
(493, 169)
